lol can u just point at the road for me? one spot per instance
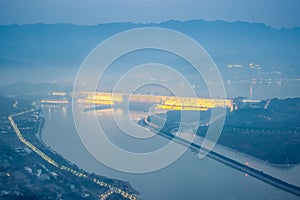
(111, 188)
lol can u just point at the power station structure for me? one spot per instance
(162, 102)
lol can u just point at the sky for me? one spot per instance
(275, 13)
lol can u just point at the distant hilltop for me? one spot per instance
(227, 42)
(243, 52)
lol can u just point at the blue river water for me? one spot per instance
(187, 178)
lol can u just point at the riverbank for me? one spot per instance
(225, 160)
(53, 159)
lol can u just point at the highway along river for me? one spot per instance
(187, 178)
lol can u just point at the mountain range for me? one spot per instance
(59, 49)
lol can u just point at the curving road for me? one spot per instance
(111, 189)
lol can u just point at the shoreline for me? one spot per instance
(278, 183)
(72, 168)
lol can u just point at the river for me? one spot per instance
(187, 178)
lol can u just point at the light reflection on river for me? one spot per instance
(187, 178)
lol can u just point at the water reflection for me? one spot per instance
(187, 178)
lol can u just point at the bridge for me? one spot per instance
(163, 102)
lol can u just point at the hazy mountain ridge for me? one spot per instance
(25, 88)
(63, 47)
(67, 43)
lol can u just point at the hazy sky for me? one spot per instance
(276, 13)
